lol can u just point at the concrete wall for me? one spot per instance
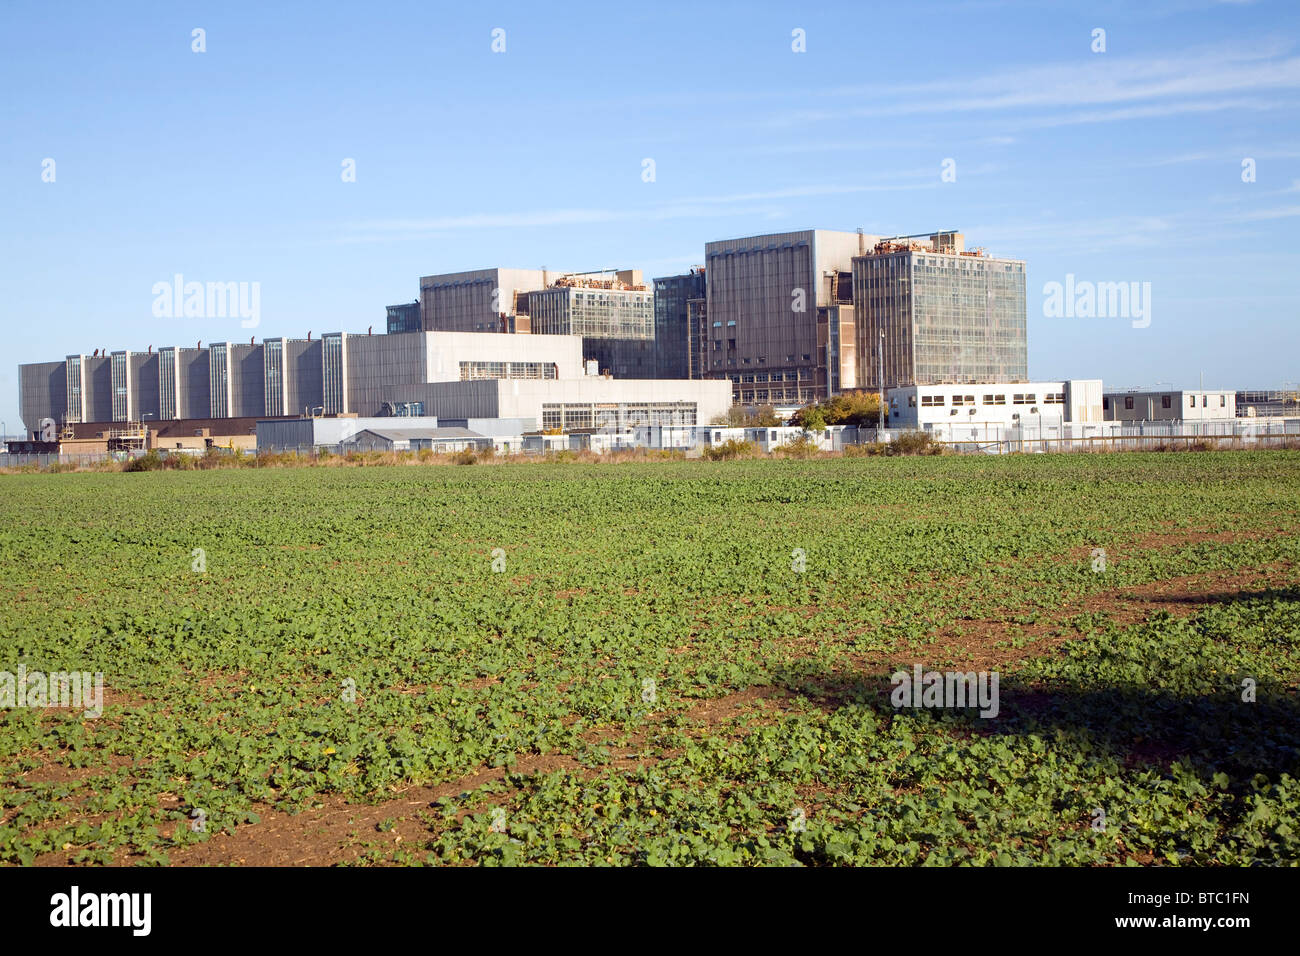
(520, 399)
(445, 351)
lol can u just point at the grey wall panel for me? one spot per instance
(379, 363)
(247, 383)
(42, 393)
(283, 435)
(99, 385)
(144, 386)
(192, 390)
(302, 361)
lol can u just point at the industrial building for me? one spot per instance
(613, 312)
(338, 373)
(534, 381)
(1188, 405)
(996, 405)
(673, 296)
(930, 311)
(589, 402)
(1268, 403)
(611, 309)
(481, 300)
(776, 315)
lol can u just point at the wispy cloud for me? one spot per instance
(690, 207)
(1101, 80)
(1263, 215)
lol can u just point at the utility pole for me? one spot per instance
(880, 357)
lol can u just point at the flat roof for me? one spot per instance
(401, 434)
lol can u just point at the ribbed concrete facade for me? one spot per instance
(763, 299)
(474, 301)
(338, 373)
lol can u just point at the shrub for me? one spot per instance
(914, 443)
(869, 450)
(847, 408)
(738, 416)
(149, 461)
(731, 448)
(802, 447)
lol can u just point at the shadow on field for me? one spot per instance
(1214, 597)
(1136, 725)
(1140, 695)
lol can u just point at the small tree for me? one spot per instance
(738, 416)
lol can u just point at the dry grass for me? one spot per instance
(745, 450)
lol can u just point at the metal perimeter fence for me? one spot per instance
(1140, 436)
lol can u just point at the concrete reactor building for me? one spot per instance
(930, 312)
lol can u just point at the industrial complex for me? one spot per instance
(513, 358)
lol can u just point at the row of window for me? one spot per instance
(1167, 401)
(472, 371)
(1017, 398)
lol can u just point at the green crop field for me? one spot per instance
(664, 663)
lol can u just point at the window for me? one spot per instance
(1105, 404)
(1223, 401)
(1166, 401)
(911, 401)
(929, 401)
(1205, 401)
(956, 400)
(1128, 401)
(1191, 401)
(970, 399)
(987, 400)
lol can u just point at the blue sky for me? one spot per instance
(225, 165)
